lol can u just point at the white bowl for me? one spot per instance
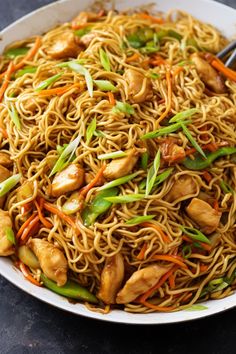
(46, 17)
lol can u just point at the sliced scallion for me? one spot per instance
(9, 184)
(44, 84)
(119, 181)
(165, 130)
(183, 115)
(104, 60)
(195, 234)
(105, 85)
(192, 140)
(90, 130)
(79, 69)
(14, 116)
(10, 235)
(112, 155)
(139, 219)
(152, 173)
(129, 198)
(123, 107)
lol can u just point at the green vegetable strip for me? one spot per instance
(152, 173)
(79, 69)
(183, 115)
(195, 234)
(129, 198)
(14, 116)
(98, 206)
(10, 235)
(139, 219)
(90, 130)
(144, 160)
(65, 64)
(105, 85)
(123, 107)
(104, 60)
(81, 32)
(112, 155)
(196, 307)
(46, 83)
(71, 290)
(66, 156)
(119, 181)
(226, 188)
(26, 70)
(192, 140)
(9, 184)
(199, 164)
(165, 130)
(159, 179)
(15, 52)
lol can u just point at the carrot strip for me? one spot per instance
(169, 93)
(3, 132)
(6, 80)
(163, 279)
(59, 90)
(43, 220)
(177, 71)
(203, 267)
(24, 226)
(27, 275)
(216, 205)
(141, 254)
(153, 19)
(93, 183)
(207, 176)
(157, 60)
(158, 308)
(205, 246)
(172, 281)
(26, 232)
(54, 210)
(31, 53)
(111, 98)
(25, 208)
(169, 258)
(186, 297)
(133, 57)
(164, 237)
(229, 73)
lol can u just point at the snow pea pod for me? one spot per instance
(200, 164)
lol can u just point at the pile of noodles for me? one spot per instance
(56, 120)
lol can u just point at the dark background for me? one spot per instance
(30, 326)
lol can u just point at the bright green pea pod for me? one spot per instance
(70, 289)
(15, 52)
(98, 206)
(200, 164)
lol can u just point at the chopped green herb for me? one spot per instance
(105, 60)
(90, 130)
(196, 308)
(192, 140)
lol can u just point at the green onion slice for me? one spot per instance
(123, 107)
(14, 116)
(183, 115)
(90, 130)
(9, 184)
(196, 308)
(104, 60)
(144, 160)
(44, 84)
(129, 198)
(152, 173)
(26, 70)
(192, 140)
(119, 181)
(15, 52)
(165, 130)
(159, 179)
(195, 234)
(10, 235)
(226, 188)
(105, 85)
(139, 219)
(79, 69)
(112, 155)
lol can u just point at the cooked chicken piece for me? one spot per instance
(183, 188)
(68, 180)
(111, 279)
(4, 174)
(5, 159)
(87, 39)
(139, 282)
(65, 46)
(6, 247)
(123, 166)
(170, 151)
(84, 17)
(140, 87)
(51, 259)
(208, 74)
(204, 215)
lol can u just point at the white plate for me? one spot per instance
(39, 21)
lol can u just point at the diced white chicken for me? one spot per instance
(5, 160)
(51, 259)
(123, 166)
(68, 180)
(170, 151)
(6, 247)
(66, 45)
(183, 188)
(4, 174)
(208, 74)
(111, 279)
(87, 39)
(139, 282)
(140, 87)
(204, 215)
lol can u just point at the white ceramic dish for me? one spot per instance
(39, 21)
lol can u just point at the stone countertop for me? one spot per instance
(28, 325)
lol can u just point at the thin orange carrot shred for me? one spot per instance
(164, 237)
(153, 19)
(3, 132)
(141, 254)
(7, 79)
(172, 281)
(54, 210)
(25, 225)
(133, 57)
(29, 228)
(111, 98)
(219, 65)
(60, 90)
(27, 274)
(43, 220)
(168, 101)
(169, 258)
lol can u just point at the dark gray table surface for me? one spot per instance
(30, 326)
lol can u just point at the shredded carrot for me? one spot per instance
(172, 281)
(157, 60)
(164, 237)
(170, 258)
(207, 176)
(153, 19)
(141, 254)
(93, 183)
(158, 308)
(216, 205)
(133, 57)
(60, 90)
(3, 132)
(54, 210)
(187, 297)
(177, 71)
(169, 93)
(25, 208)
(218, 65)
(31, 53)
(204, 245)
(43, 220)
(29, 228)
(25, 225)
(111, 98)
(6, 80)
(163, 279)
(27, 274)
(203, 267)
